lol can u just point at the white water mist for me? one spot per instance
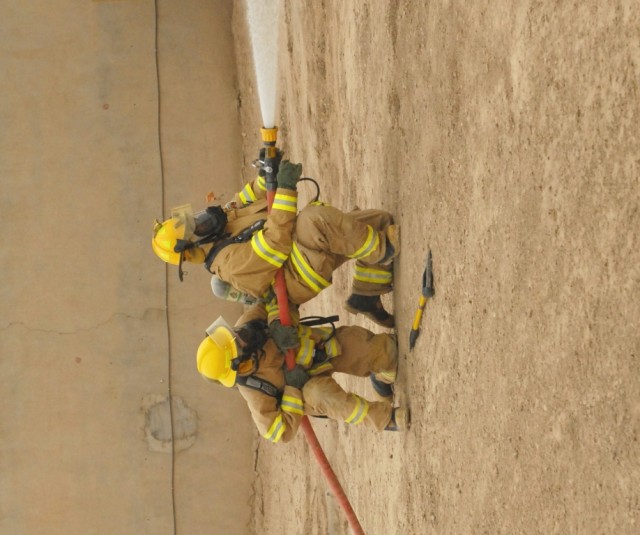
(264, 19)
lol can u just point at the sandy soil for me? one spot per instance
(503, 136)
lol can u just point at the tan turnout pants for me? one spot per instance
(327, 238)
(363, 353)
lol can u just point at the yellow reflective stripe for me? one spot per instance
(359, 411)
(246, 195)
(276, 429)
(271, 307)
(292, 405)
(305, 353)
(304, 331)
(332, 348)
(317, 370)
(265, 251)
(375, 276)
(261, 182)
(286, 203)
(389, 376)
(273, 314)
(313, 280)
(371, 243)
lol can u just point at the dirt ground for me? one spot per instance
(505, 137)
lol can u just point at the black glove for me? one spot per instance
(289, 174)
(285, 337)
(296, 377)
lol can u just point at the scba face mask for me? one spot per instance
(210, 223)
(204, 227)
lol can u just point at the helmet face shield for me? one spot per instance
(183, 221)
(220, 323)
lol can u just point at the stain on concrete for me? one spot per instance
(165, 423)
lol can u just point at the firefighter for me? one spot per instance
(248, 357)
(243, 246)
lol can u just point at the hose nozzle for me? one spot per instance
(272, 156)
(269, 135)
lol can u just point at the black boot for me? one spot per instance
(393, 245)
(382, 389)
(371, 307)
(400, 420)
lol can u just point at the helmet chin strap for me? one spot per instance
(184, 245)
(181, 247)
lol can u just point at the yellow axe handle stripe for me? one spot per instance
(418, 316)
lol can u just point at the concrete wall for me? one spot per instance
(95, 333)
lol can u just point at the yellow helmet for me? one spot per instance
(216, 352)
(165, 238)
(180, 237)
(166, 235)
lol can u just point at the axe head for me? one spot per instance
(427, 278)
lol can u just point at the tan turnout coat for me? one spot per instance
(354, 350)
(309, 247)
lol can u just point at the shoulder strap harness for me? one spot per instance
(251, 381)
(242, 237)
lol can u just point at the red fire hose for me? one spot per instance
(269, 136)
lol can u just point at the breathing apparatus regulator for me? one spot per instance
(209, 227)
(254, 334)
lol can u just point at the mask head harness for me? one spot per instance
(254, 334)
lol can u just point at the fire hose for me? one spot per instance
(270, 167)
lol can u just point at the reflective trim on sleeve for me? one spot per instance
(276, 430)
(360, 411)
(273, 314)
(321, 368)
(271, 307)
(332, 347)
(261, 182)
(305, 353)
(246, 195)
(265, 251)
(292, 405)
(375, 276)
(304, 331)
(313, 280)
(370, 244)
(285, 203)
